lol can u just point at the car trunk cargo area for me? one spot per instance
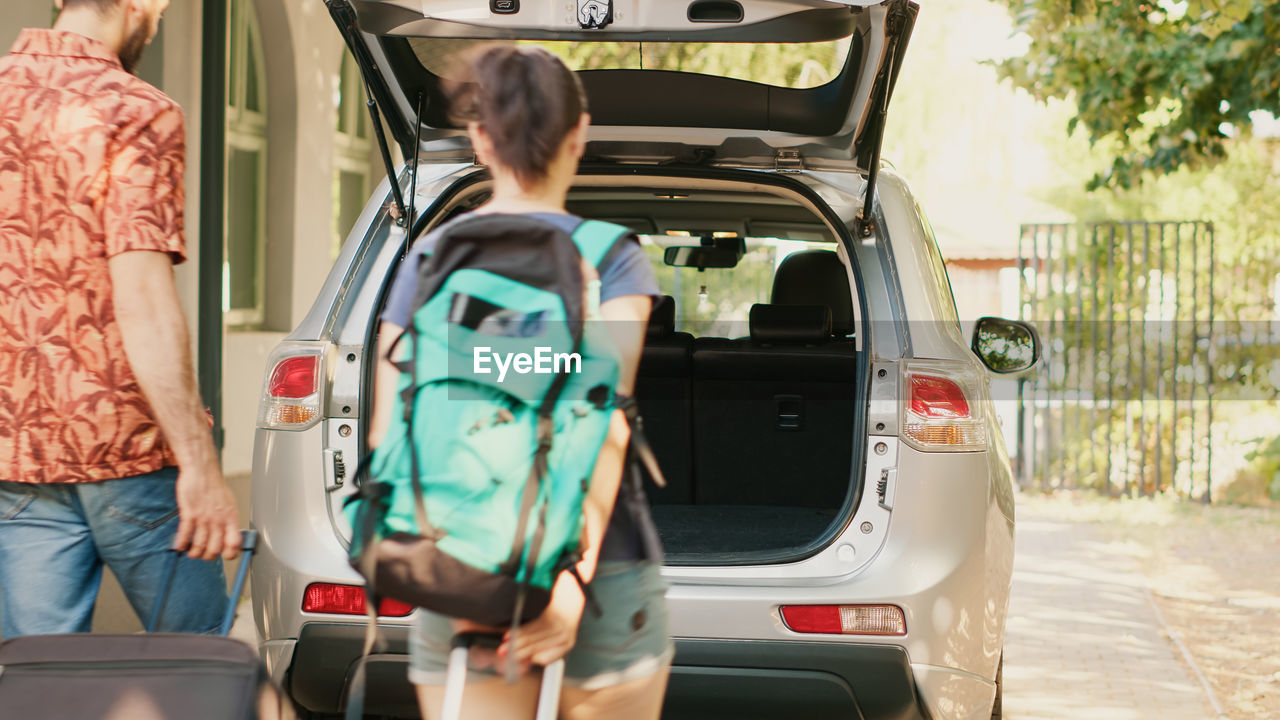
(749, 381)
(754, 434)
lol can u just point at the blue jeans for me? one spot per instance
(54, 540)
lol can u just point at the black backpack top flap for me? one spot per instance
(518, 247)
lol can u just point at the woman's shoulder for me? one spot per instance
(628, 271)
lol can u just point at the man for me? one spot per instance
(105, 449)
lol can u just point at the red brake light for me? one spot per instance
(347, 600)
(845, 619)
(294, 377)
(935, 397)
(812, 618)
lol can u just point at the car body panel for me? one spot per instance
(953, 695)
(710, 679)
(942, 563)
(933, 325)
(940, 547)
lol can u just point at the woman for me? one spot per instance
(526, 117)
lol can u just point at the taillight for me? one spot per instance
(845, 619)
(291, 394)
(294, 377)
(346, 600)
(936, 397)
(939, 412)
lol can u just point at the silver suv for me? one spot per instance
(839, 515)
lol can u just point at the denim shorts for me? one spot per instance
(630, 640)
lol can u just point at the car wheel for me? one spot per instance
(997, 708)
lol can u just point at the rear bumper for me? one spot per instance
(710, 679)
(767, 679)
(324, 661)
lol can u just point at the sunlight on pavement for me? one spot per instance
(1083, 641)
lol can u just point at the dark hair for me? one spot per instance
(526, 99)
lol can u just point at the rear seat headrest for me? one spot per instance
(816, 277)
(662, 319)
(790, 324)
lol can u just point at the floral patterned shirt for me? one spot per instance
(91, 165)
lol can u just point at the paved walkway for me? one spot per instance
(1083, 640)
(243, 628)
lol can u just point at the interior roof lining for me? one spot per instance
(776, 196)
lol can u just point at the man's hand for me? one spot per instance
(208, 523)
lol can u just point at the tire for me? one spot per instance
(997, 708)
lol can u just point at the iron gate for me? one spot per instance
(1124, 399)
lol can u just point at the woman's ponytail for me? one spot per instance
(526, 99)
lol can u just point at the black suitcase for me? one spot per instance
(135, 677)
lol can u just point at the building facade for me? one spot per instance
(300, 163)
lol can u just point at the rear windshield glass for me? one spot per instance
(791, 65)
(716, 302)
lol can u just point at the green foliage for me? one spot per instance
(1238, 197)
(1187, 347)
(1167, 88)
(1266, 464)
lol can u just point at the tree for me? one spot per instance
(1168, 83)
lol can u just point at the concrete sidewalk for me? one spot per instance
(243, 628)
(1083, 639)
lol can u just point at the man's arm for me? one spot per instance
(156, 342)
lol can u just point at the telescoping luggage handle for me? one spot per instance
(456, 677)
(248, 543)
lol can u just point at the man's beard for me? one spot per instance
(131, 53)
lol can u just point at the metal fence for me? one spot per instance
(1124, 400)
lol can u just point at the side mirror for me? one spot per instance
(1005, 346)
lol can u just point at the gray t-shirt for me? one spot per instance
(628, 272)
(631, 534)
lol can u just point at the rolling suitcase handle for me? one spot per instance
(248, 543)
(456, 677)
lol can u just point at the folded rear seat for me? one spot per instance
(664, 394)
(773, 416)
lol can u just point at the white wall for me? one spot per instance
(182, 52)
(23, 14)
(978, 291)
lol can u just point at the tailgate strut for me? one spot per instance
(884, 85)
(345, 18)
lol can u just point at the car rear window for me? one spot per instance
(791, 65)
(716, 302)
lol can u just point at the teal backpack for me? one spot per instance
(473, 504)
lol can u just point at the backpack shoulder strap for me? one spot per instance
(597, 240)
